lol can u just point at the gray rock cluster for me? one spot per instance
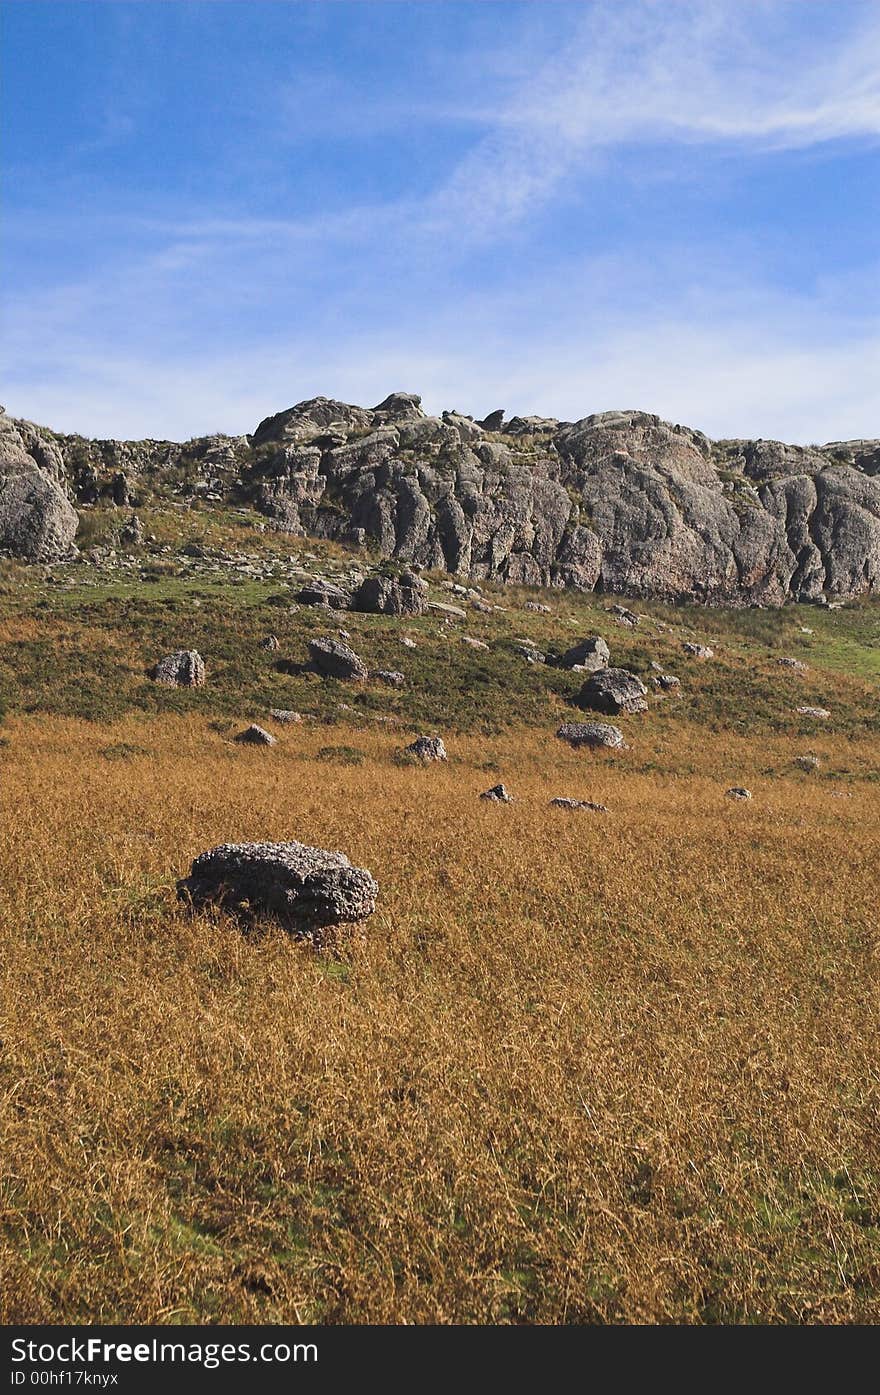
(305, 889)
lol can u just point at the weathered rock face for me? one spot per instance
(613, 690)
(619, 501)
(37, 521)
(183, 669)
(333, 659)
(305, 889)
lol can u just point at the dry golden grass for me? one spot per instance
(579, 1068)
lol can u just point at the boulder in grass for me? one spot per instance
(820, 713)
(406, 594)
(808, 763)
(592, 654)
(738, 792)
(305, 889)
(498, 794)
(183, 669)
(698, 651)
(427, 748)
(270, 643)
(255, 736)
(285, 716)
(324, 593)
(793, 665)
(334, 659)
(613, 690)
(391, 676)
(562, 803)
(594, 734)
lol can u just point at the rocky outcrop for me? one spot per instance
(618, 501)
(406, 594)
(304, 889)
(37, 521)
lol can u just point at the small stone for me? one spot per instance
(473, 643)
(285, 716)
(255, 736)
(592, 734)
(498, 794)
(738, 792)
(794, 664)
(819, 712)
(389, 676)
(270, 643)
(808, 763)
(562, 803)
(698, 651)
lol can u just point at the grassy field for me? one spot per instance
(578, 1068)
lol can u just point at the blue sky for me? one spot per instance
(215, 208)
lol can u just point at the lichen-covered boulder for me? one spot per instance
(592, 734)
(613, 690)
(305, 889)
(183, 669)
(333, 659)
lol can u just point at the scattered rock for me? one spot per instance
(305, 889)
(808, 763)
(613, 690)
(133, 531)
(183, 669)
(498, 794)
(407, 642)
(698, 651)
(326, 594)
(392, 677)
(452, 612)
(270, 643)
(794, 664)
(406, 594)
(255, 736)
(285, 716)
(738, 792)
(666, 681)
(427, 748)
(818, 712)
(562, 803)
(538, 607)
(624, 616)
(591, 654)
(333, 659)
(473, 643)
(592, 734)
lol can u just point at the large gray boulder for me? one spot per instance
(406, 594)
(305, 889)
(334, 659)
(612, 691)
(427, 748)
(37, 521)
